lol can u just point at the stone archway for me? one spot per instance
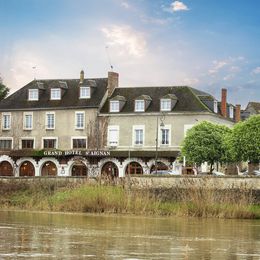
(109, 169)
(26, 169)
(79, 169)
(6, 169)
(161, 166)
(134, 168)
(49, 168)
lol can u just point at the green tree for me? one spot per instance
(3, 90)
(243, 142)
(205, 143)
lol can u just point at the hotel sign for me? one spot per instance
(91, 153)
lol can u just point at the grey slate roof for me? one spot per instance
(187, 100)
(144, 97)
(255, 106)
(70, 95)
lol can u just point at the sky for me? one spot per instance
(205, 44)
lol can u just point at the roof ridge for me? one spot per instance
(152, 87)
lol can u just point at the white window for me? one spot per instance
(84, 92)
(6, 121)
(50, 143)
(78, 142)
(139, 105)
(113, 135)
(231, 112)
(166, 105)
(55, 94)
(28, 121)
(114, 106)
(33, 94)
(50, 120)
(27, 143)
(6, 143)
(215, 106)
(79, 120)
(165, 138)
(138, 137)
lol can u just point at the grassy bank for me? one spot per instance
(49, 195)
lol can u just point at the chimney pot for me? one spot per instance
(81, 77)
(112, 82)
(238, 113)
(224, 102)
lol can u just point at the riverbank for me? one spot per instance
(124, 198)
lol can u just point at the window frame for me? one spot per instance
(53, 93)
(31, 96)
(76, 120)
(46, 120)
(8, 114)
(7, 139)
(164, 100)
(24, 120)
(78, 138)
(81, 91)
(137, 108)
(27, 139)
(165, 127)
(134, 138)
(111, 102)
(50, 138)
(113, 128)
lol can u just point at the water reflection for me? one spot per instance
(43, 236)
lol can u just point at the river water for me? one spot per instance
(26, 235)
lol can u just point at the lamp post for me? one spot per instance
(156, 139)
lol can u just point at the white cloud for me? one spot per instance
(256, 70)
(230, 63)
(228, 77)
(234, 69)
(179, 6)
(126, 39)
(152, 20)
(125, 5)
(190, 81)
(217, 66)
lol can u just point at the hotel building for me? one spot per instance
(91, 126)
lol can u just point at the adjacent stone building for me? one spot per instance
(87, 127)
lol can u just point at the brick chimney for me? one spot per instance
(112, 82)
(238, 113)
(224, 102)
(81, 78)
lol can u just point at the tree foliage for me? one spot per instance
(205, 143)
(243, 142)
(3, 90)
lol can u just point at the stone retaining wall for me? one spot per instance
(227, 182)
(191, 181)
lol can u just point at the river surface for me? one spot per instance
(26, 235)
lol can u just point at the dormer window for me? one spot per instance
(165, 104)
(33, 94)
(55, 94)
(114, 106)
(84, 92)
(215, 106)
(139, 105)
(231, 112)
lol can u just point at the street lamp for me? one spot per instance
(156, 139)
